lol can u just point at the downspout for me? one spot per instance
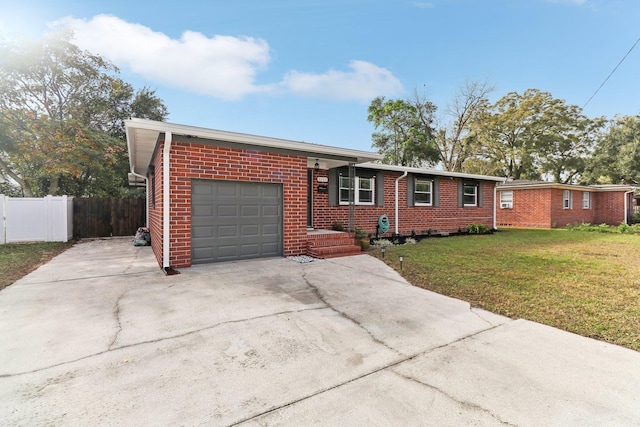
(398, 179)
(626, 205)
(166, 197)
(495, 204)
(146, 183)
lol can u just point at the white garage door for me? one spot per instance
(232, 220)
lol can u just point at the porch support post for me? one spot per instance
(352, 205)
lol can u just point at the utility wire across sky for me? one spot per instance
(611, 73)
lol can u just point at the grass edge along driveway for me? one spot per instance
(585, 283)
(19, 259)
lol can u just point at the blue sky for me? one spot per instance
(307, 70)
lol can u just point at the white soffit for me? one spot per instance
(431, 172)
(142, 136)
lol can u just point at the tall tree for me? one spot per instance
(567, 140)
(61, 117)
(616, 158)
(454, 140)
(533, 134)
(405, 133)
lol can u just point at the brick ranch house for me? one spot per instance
(235, 196)
(539, 204)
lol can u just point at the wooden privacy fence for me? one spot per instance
(107, 217)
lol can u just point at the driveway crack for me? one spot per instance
(157, 340)
(344, 315)
(116, 315)
(464, 403)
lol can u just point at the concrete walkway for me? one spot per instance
(99, 336)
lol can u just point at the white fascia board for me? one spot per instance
(434, 172)
(130, 148)
(613, 187)
(574, 187)
(241, 138)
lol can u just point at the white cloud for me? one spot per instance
(363, 82)
(220, 66)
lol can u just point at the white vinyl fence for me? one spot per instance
(25, 219)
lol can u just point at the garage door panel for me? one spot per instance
(200, 210)
(249, 249)
(225, 189)
(270, 211)
(227, 231)
(199, 188)
(250, 211)
(202, 231)
(227, 211)
(252, 231)
(270, 247)
(251, 191)
(236, 220)
(205, 255)
(271, 192)
(226, 253)
(270, 230)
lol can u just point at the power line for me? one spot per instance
(611, 73)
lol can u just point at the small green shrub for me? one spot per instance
(360, 233)
(410, 241)
(605, 228)
(477, 229)
(383, 243)
(337, 226)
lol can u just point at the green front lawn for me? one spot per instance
(17, 260)
(586, 283)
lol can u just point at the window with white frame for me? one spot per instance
(363, 190)
(506, 199)
(470, 194)
(586, 200)
(423, 194)
(566, 199)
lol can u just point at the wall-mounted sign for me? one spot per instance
(323, 188)
(322, 179)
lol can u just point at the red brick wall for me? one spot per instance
(609, 207)
(543, 208)
(576, 215)
(531, 208)
(447, 217)
(155, 209)
(190, 160)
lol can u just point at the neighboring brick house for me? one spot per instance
(540, 204)
(236, 196)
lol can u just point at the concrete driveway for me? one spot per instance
(99, 336)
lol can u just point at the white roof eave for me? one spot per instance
(559, 186)
(434, 172)
(142, 137)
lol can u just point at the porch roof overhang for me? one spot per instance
(144, 135)
(433, 172)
